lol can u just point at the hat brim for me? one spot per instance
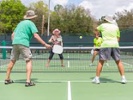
(110, 21)
(25, 17)
(56, 31)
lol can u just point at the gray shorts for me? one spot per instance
(20, 49)
(107, 53)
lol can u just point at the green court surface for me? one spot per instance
(72, 82)
(67, 86)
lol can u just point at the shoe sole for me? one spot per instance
(29, 84)
(6, 83)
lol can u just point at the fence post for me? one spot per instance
(3, 50)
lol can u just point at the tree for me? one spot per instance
(58, 8)
(72, 20)
(11, 12)
(1, 27)
(125, 19)
(40, 9)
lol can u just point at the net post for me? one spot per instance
(3, 50)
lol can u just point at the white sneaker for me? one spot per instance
(96, 80)
(91, 64)
(123, 81)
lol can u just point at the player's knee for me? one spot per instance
(13, 61)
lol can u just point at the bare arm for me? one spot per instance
(12, 36)
(118, 38)
(38, 38)
(51, 39)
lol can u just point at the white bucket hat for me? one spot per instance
(108, 19)
(30, 14)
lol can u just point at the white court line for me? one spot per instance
(68, 62)
(85, 81)
(127, 64)
(69, 91)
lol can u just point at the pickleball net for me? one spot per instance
(76, 59)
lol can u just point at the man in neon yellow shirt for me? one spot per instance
(109, 47)
(97, 43)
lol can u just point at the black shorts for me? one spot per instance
(52, 54)
(96, 49)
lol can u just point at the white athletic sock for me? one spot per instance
(97, 77)
(123, 76)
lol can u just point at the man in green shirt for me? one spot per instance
(21, 37)
(109, 47)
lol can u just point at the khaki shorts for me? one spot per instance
(107, 53)
(20, 49)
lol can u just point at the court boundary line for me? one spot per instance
(69, 90)
(85, 81)
(127, 64)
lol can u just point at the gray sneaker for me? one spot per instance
(95, 80)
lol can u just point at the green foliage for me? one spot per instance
(72, 20)
(125, 19)
(40, 9)
(1, 27)
(11, 12)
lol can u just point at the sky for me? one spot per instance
(98, 8)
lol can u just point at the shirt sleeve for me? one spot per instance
(118, 33)
(99, 28)
(33, 28)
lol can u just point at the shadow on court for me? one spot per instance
(21, 81)
(107, 80)
(35, 80)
